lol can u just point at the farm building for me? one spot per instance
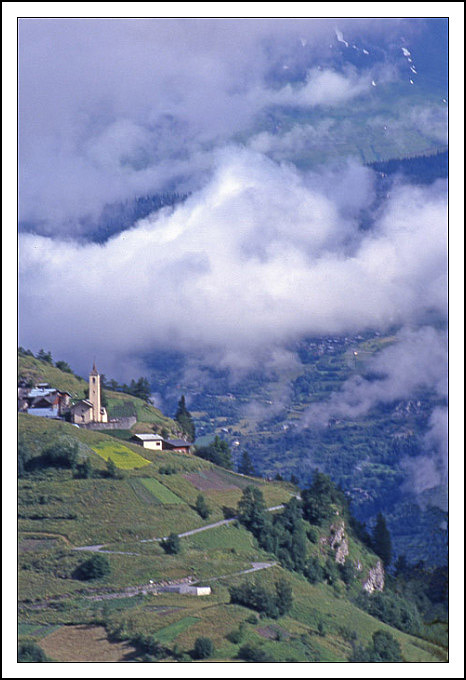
(158, 443)
(184, 589)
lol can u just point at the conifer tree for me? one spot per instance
(184, 419)
(246, 466)
(381, 540)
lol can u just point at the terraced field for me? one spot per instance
(122, 456)
(160, 492)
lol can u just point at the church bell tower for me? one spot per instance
(94, 394)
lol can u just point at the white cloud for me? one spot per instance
(259, 256)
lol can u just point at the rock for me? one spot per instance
(339, 542)
(375, 579)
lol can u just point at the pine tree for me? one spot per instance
(381, 540)
(246, 466)
(184, 419)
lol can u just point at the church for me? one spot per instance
(90, 410)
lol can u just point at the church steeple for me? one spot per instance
(94, 394)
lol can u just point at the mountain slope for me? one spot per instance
(59, 513)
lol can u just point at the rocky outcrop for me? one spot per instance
(339, 542)
(375, 579)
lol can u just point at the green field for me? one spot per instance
(160, 492)
(123, 457)
(171, 631)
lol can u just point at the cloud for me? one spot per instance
(416, 361)
(429, 471)
(260, 256)
(112, 109)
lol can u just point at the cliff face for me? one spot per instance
(338, 542)
(375, 579)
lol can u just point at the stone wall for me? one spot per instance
(120, 424)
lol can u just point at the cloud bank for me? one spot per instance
(260, 256)
(114, 109)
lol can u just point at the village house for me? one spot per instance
(43, 400)
(158, 443)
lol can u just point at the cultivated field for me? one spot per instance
(121, 455)
(84, 643)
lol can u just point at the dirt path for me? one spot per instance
(151, 587)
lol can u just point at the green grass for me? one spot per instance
(36, 630)
(160, 492)
(170, 632)
(122, 456)
(226, 537)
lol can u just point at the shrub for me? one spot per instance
(96, 567)
(83, 470)
(112, 471)
(228, 512)
(313, 535)
(171, 544)
(313, 571)
(61, 454)
(331, 572)
(322, 628)
(391, 609)
(347, 573)
(203, 648)
(262, 600)
(30, 652)
(236, 635)
(249, 652)
(384, 648)
(201, 507)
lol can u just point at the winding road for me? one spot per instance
(99, 547)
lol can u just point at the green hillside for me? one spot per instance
(150, 495)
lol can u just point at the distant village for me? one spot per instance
(47, 401)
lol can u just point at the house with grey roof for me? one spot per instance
(158, 443)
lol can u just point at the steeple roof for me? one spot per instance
(94, 370)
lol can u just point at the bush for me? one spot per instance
(201, 507)
(391, 609)
(203, 648)
(30, 652)
(172, 544)
(96, 567)
(60, 454)
(331, 571)
(83, 470)
(262, 600)
(228, 512)
(313, 571)
(347, 573)
(384, 648)
(313, 535)
(249, 652)
(168, 469)
(112, 471)
(236, 635)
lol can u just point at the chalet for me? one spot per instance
(158, 443)
(43, 400)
